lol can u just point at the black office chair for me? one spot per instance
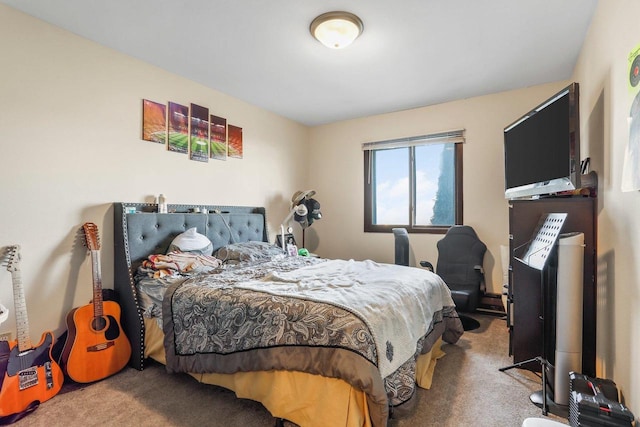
(460, 259)
(401, 239)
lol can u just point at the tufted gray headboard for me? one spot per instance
(146, 232)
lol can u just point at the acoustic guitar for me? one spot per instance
(29, 375)
(96, 346)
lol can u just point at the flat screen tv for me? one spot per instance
(542, 148)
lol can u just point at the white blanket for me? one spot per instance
(397, 303)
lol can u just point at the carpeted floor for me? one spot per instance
(468, 390)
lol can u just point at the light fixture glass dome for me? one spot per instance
(336, 30)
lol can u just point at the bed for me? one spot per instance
(298, 334)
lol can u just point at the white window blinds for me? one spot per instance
(454, 136)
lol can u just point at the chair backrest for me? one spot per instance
(459, 252)
(401, 240)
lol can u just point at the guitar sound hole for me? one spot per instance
(98, 323)
(114, 330)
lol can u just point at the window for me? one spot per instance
(415, 183)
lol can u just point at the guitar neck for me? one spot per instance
(97, 283)
(22, 321)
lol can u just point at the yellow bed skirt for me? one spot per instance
(305, 399)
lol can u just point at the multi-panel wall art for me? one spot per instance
(191, 130)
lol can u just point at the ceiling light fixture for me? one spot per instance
(336, 30)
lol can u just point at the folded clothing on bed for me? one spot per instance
(160, 271)
(175, 263)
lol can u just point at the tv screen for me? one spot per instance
(542, 148)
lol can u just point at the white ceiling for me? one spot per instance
(412, 53)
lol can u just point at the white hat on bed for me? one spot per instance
(191, 241)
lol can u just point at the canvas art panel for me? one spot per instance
(178, 128)
(199, 133)
(218, 138)
(235, 141)
(154, 121)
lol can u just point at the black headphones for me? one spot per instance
(300, 212)
(313, 208)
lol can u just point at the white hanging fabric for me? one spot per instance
(4, 313)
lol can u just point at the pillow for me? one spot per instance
(249, 251)
(191, 241)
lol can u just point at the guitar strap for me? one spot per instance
(10, 419)
(5, 352)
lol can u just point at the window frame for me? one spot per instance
(369, 167)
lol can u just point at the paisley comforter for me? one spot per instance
(314, 316)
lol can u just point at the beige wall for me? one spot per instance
(70, 120)
(337, 173)
(602, 71)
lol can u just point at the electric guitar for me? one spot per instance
(30, 375)
(96, 346)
